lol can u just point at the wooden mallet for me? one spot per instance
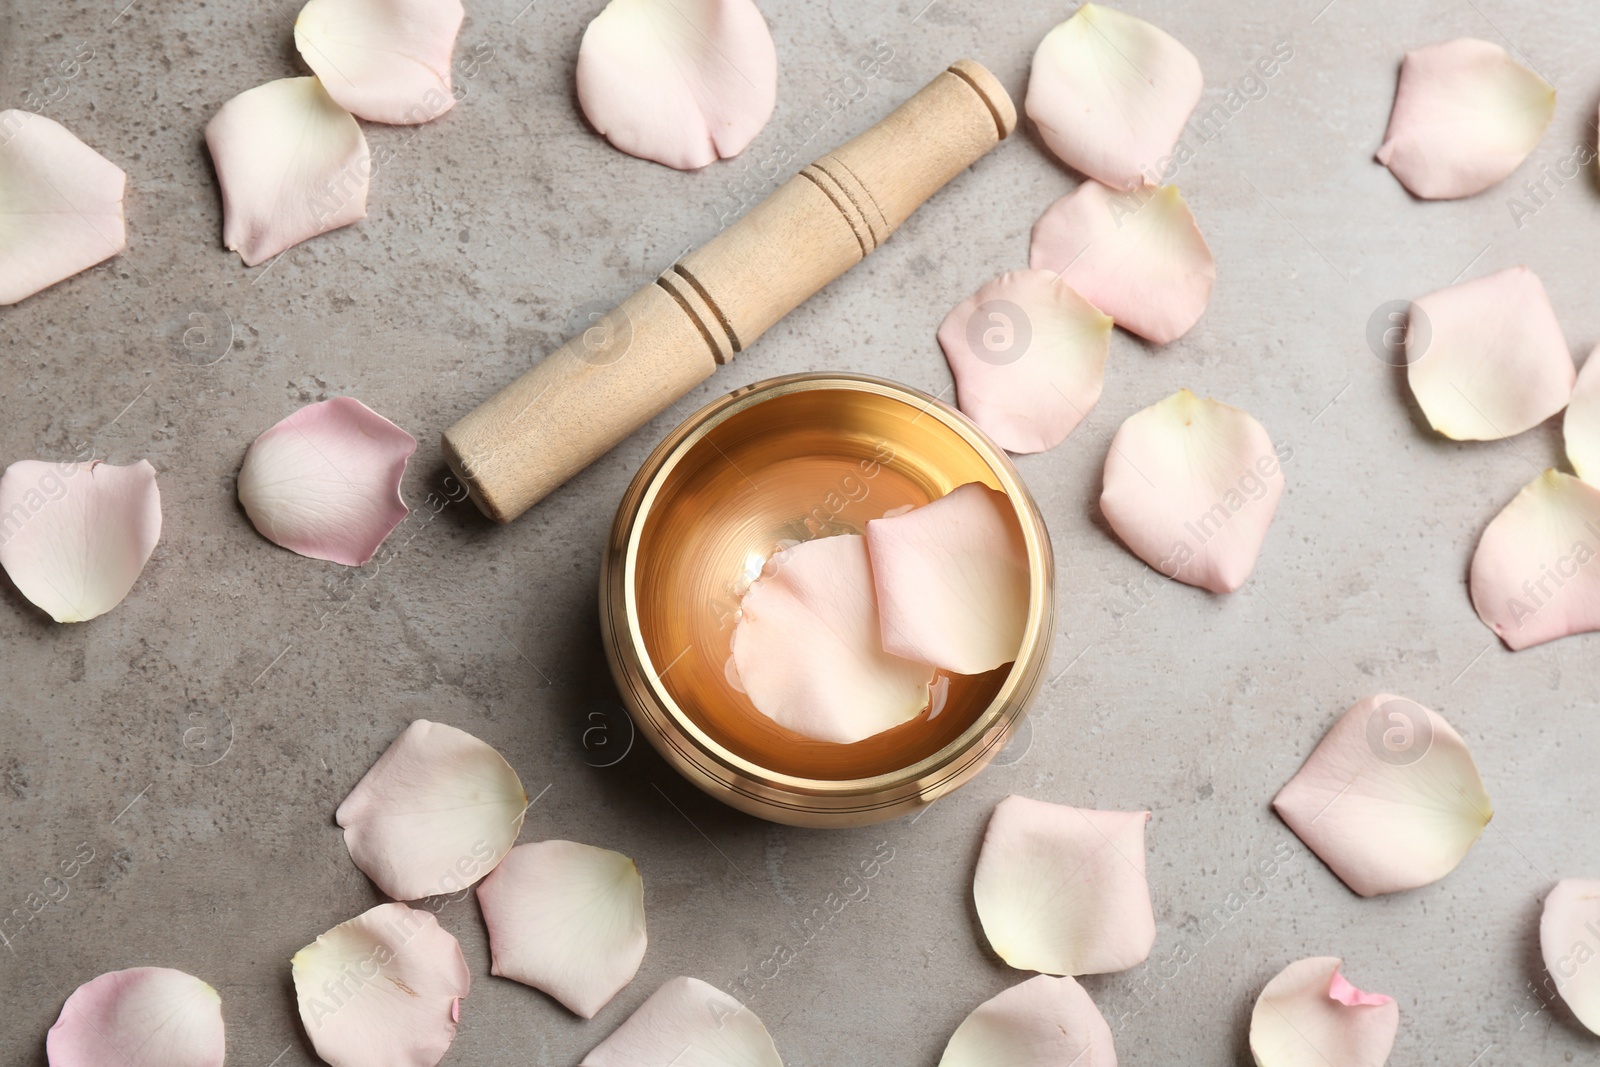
(670, 336)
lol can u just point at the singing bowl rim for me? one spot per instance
(740, 781)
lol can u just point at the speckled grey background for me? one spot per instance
(491, 233)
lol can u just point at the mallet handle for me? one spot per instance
(668, 337)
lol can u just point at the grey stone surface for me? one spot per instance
(490, 232)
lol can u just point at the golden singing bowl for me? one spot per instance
(785, 460)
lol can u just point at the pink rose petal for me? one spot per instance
(292, 164)
(1043, 1022)
(1534, 577)
(383, 60)
(1486, 359)
(952, 581)
(1569, 941)
(1341, 990)
(1110, 94)
(807, 647)
(1581, 427)
(60, 205)
(1309, 1016)
(681, 82)
(75, 537)
(382, 990)
(687, 1023)
(143, 1017)
(1465, 116)
(435, 813)
(1062, 890)
(1029, 356)
(1191, 486)
(325, 481)
(1139, 257)
(1389, 799)
(566, 918)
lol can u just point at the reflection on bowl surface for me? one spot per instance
(796, 466)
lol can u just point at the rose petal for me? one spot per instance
(687, 1023)
(807, 649)
(1569, 941)
(1191, 486)
(1029, 357)
(681, 82)
(1533, 576)
(143, 1017)
(1062, 890)
(1581, 427)
(952, 581)
(1389, 799)
(1139, 257)
(1489, 359)
(1044, 1022)
(292, 164)
(1341, 990)
(1465, 115)
(1110, 94)
(60, 205)
(325, 482)
(566, 918)
(383, 60)
(436, 813)
(1309, 1016)
(382, 990)
(74, 537)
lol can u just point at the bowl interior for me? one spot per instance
(793, 467)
